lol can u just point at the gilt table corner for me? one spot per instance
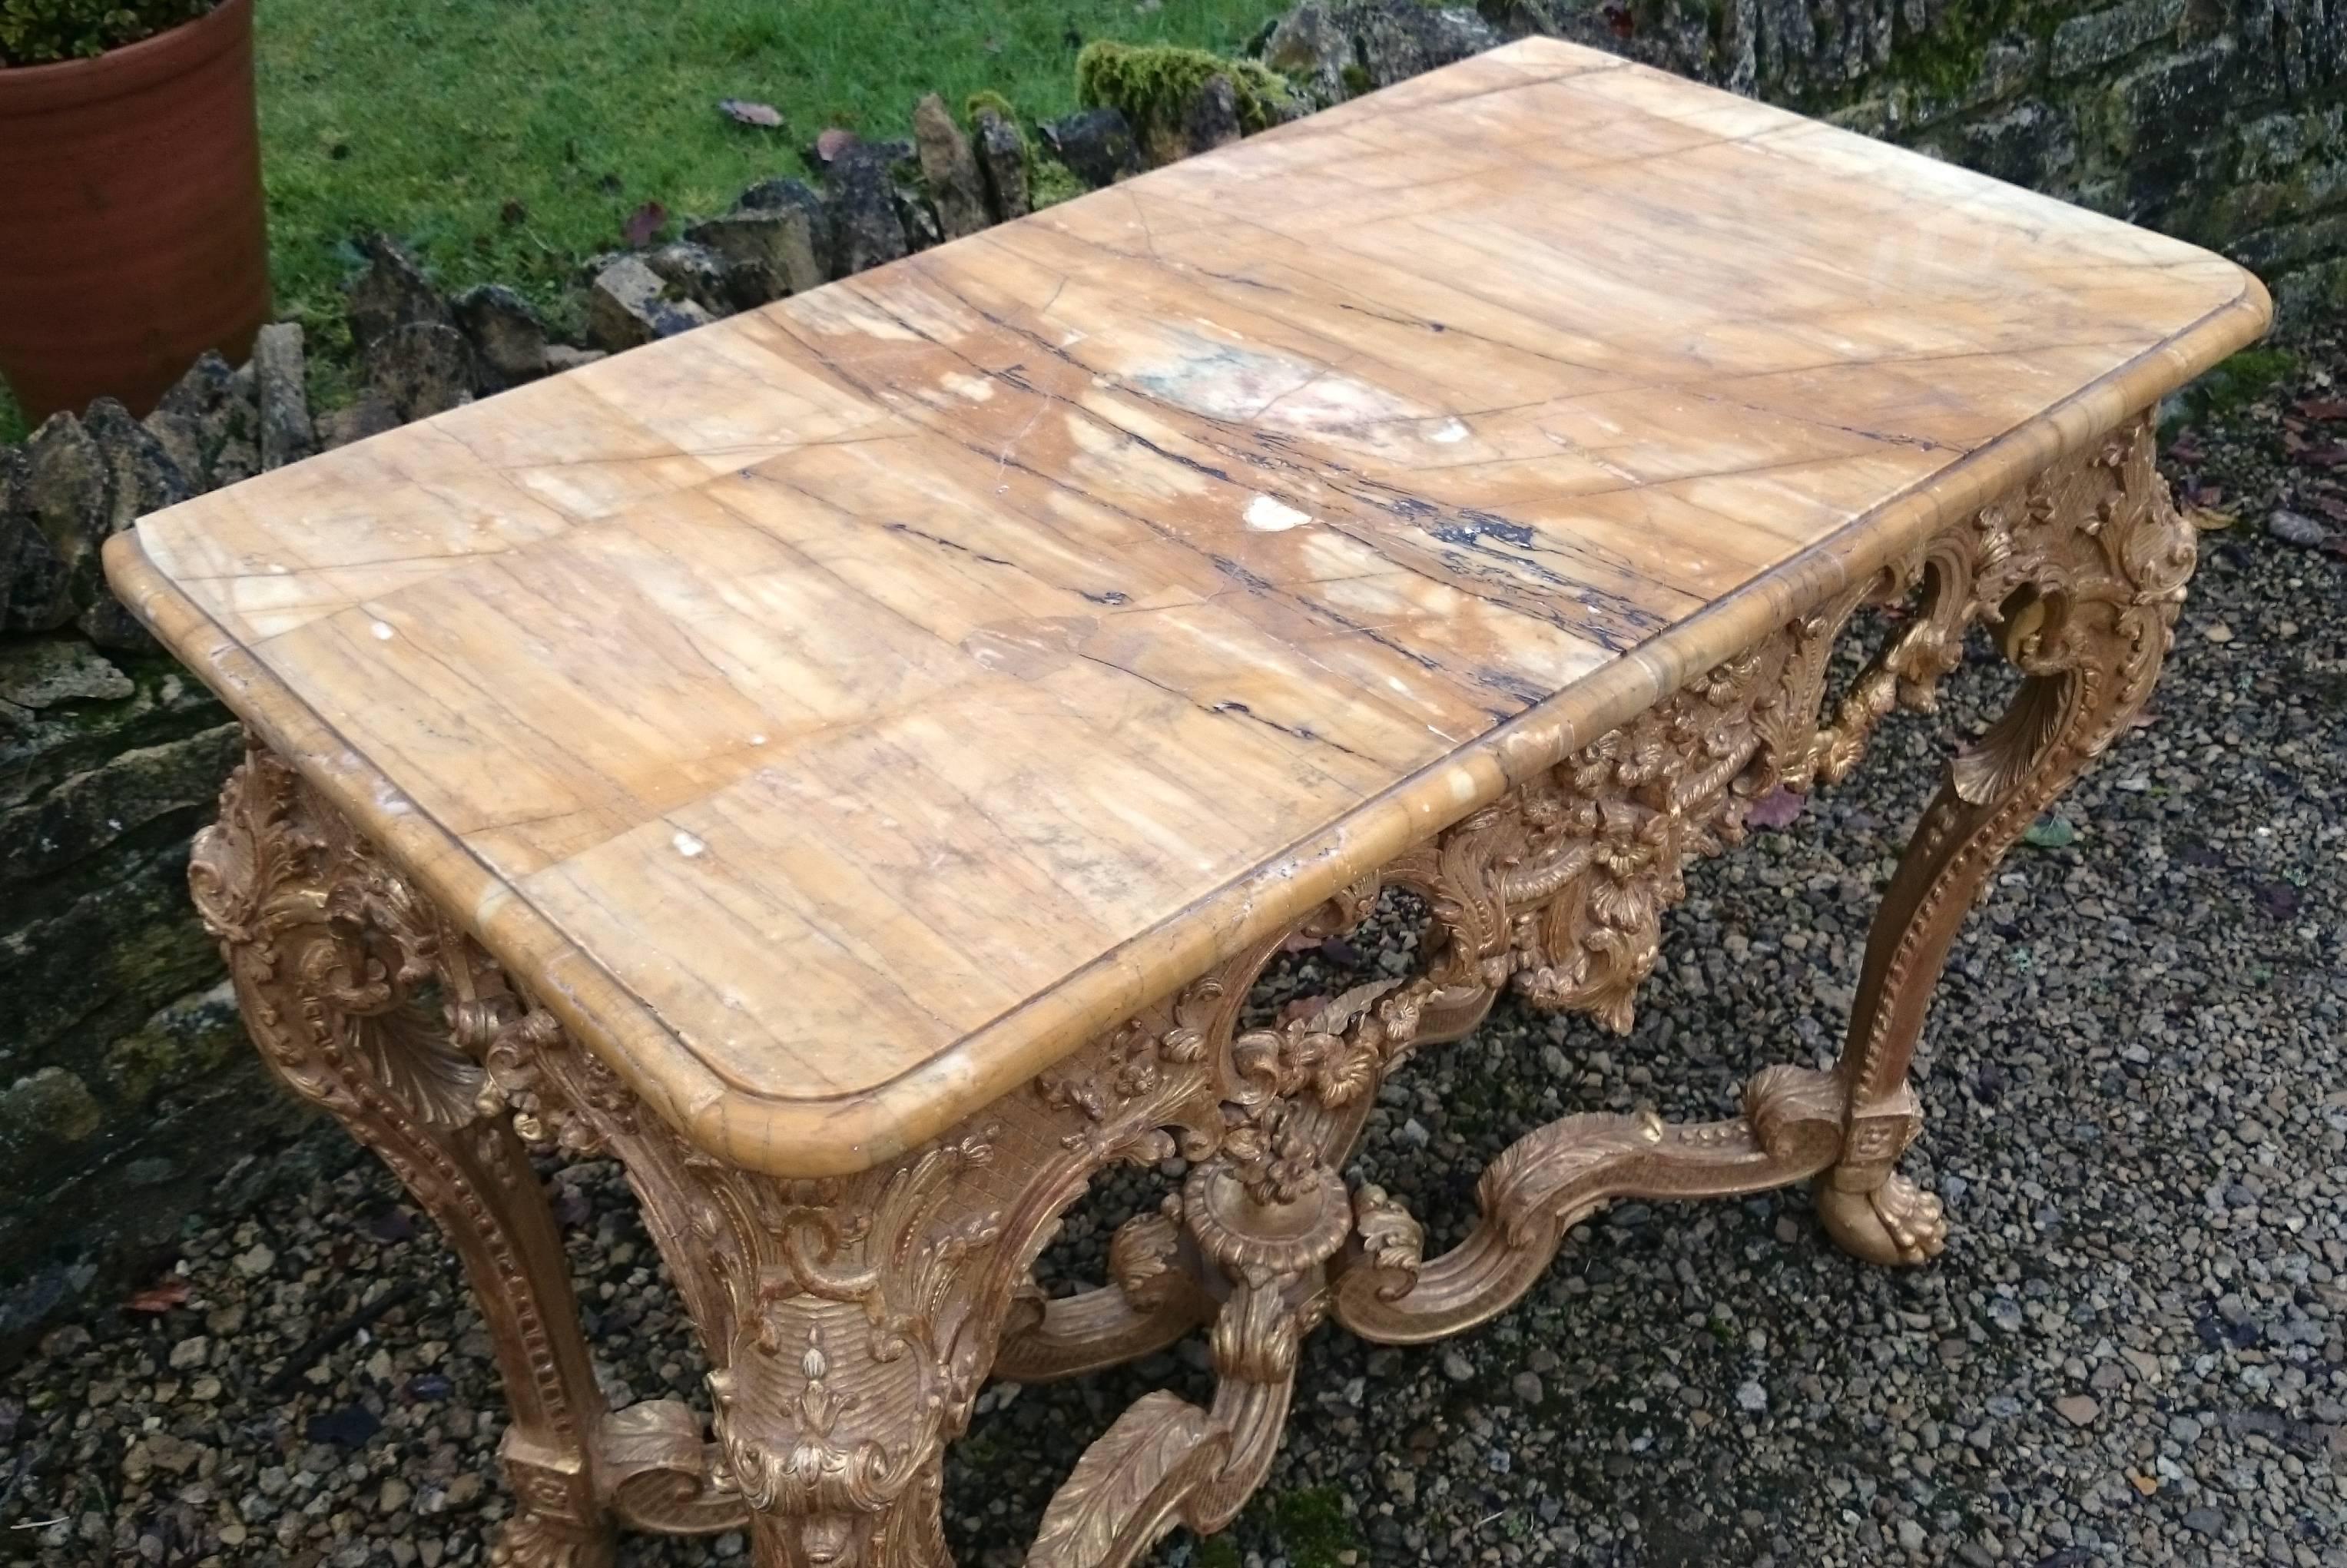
(851, 762)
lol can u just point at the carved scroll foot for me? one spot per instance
(534, 1540)
(1897, 1223)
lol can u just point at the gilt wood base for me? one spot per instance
(852, 1320)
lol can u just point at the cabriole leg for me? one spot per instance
(2083, 577)
(363, 1000)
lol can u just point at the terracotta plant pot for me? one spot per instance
(132, 236)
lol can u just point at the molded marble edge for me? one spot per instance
(843, 1134)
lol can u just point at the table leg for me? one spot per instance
(2083, 577)
(335, 964)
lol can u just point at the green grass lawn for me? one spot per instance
(508, 141)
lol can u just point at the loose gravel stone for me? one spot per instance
(2133, 1353)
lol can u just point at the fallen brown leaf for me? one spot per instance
(170, 1291)
(1778, 808)
(644, 224)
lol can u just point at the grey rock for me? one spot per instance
(186, 420)
(35, 590)
(422, 368)
(64, 496)
(141, 476)
(282, 395)
(390, 293)
(1400, 38)
(1334, 50)
(237, 460)
(43, 673)
(768, 252)
(796, 250)
(414, 353)
(919, 217)
(866, 227)
(1097, 144)
(1002, 159)
(696, 272)
(955, 188)
(506, 334)
(108, 623)
(1309, 46)
(91, 810)
(46, 1108)
(371, 414)
(2084, 41)
(2297, 529)
(198, 395)
(1213, 117)
(181, 437)
(562, 356)
(628, 304)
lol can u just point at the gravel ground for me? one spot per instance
(2134, 1350)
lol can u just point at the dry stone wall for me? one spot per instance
(126, 1094)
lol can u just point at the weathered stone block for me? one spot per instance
(2180, 99)
(768, 253)
(97, 961)
(43, 673)
(1002, 157)
(2031, 144)
(90, 811)
(2083, 44)
(282, 392)
(423, 368)
(866, 225)
(370, 414)
(415, 353)
(182, 1043)
(42, 1110)
(955, 188)
(35, 590)
(75, 730)
(2310, 294)
(2289, 246)
(696, 272)
(506, 334)
(630, 303)
(1096, 145)
(64, 496)
(1214, 118)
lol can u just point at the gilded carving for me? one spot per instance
(850, 1321)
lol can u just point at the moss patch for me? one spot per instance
(2240, 380)
(1313, 1527)
(1049, 181)
(1217, 1551)
(1154, 85)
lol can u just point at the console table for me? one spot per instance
(850, 762)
